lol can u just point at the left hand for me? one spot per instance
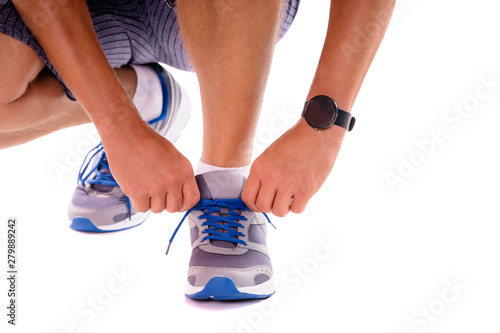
(292, 169)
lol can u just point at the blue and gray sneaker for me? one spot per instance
(98, 203)
(229, 259)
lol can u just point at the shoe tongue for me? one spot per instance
(100, 187)
(221, 185)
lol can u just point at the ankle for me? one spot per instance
(148, 96)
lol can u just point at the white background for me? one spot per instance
(396, 248)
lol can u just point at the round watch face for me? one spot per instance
(321, 112)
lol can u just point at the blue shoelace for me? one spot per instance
(101, 178)
(230, 209)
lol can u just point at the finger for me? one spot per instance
(174, 200)
(281, 205)
(299, 204)
(265, 199)
(190, 194)
(140, 204)
(250, 191)
(157, 203)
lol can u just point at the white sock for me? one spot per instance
(148, 97)
(204, 168)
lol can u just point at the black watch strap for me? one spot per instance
(345, 120)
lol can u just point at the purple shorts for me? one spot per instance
(130, 32)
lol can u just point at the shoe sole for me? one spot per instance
(223, 288)
(84, 224)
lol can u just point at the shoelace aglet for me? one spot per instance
(269, 220)
(177, 229)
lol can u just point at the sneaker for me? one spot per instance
(229, 259)
(98, 203)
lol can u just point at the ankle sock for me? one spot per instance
(148, 97)
(204, 168)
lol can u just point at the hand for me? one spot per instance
(151, 171)
(288, 173)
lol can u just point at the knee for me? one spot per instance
(11, 90)
(19, 65)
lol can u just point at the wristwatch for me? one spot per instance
(321, 112)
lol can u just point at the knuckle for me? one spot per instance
(187, 168)
(297, 210)
(171, 179)
(184, 207)
(304, 188)
(272, 175)
(264, 208)
(140, 202)
(173, 207)
(192, 201)
(279, 212)
(288, 182)
(256, 165)
(245, 196)
(170, 209)
(157, 209)
(259, 167)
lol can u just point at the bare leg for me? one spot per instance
(230, 44)
(32, 104)
(10, 139)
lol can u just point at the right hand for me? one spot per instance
(151, 171)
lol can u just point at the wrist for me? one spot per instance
(344, 99)
(118, 120)
(332, 136)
